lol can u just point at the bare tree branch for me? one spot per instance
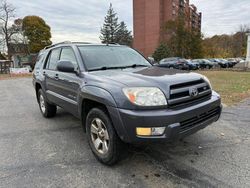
(7, 13)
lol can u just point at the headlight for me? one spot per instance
(207, 80)
(145, 96)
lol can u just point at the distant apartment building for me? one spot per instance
(151, 15)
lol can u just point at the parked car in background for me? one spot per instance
(174, 63)
(223, 63)
(242, 61)
(152, 60)
(215, 63)
(204, 63)
(232, 62)
(226, 64)
(192, 65)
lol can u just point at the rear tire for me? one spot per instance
(47, 110)
(102, 138)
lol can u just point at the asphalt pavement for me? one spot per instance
(39, 152)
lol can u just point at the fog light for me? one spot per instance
(154, 131)
(158, 131)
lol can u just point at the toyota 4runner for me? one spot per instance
(120, 97)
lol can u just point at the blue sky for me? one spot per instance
(81, 20)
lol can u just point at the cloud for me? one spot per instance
(223, 16)
(81, 20)
(74, 20)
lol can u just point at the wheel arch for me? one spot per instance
(94, 97)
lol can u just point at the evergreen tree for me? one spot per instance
(110, 27)
(123, 35)
(161, 52)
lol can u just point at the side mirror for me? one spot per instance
(65, 66)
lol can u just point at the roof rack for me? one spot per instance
(64, 42)
(81, 43)
(56, 44)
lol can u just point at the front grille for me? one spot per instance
(180, 94)
(189, 123)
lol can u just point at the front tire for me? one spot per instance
(103, 140)
(47, 110)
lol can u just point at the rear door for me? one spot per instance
(51, 76)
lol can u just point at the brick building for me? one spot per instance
(150, 15)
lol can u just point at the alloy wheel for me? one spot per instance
(99, 136)
(42, 104)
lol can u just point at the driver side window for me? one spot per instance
(67, 54)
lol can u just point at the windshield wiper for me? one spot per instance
(104, 68)
(118, 67)
(135, 65)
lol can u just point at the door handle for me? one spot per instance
(44, 73)
(56, 77)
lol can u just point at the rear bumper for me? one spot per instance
(179, 123)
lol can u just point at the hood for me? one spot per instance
(145, 77)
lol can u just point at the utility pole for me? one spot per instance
(248, 51)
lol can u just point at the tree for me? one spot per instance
(123, 35)
(196, 48)
(18, 37)
(110, 27)
(226, 46)
(182, 40)
(161, 52)
(6, 15)
(37, 32)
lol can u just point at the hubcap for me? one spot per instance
(42, 104)
(100, 136)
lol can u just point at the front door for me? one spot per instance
(69, 83)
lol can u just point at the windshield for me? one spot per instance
(104, 57)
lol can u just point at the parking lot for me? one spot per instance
(38, 152)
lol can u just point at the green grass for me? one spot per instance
(231, 85)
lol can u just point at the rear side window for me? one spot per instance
(39, 61)
(53, 59)
(67, 54)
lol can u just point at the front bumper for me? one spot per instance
(178, 122)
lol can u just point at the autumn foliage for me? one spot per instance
(37, 32)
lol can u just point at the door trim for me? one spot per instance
(62, 97)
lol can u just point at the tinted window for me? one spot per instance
(67, 54)
(53, 59)
(111, 56)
